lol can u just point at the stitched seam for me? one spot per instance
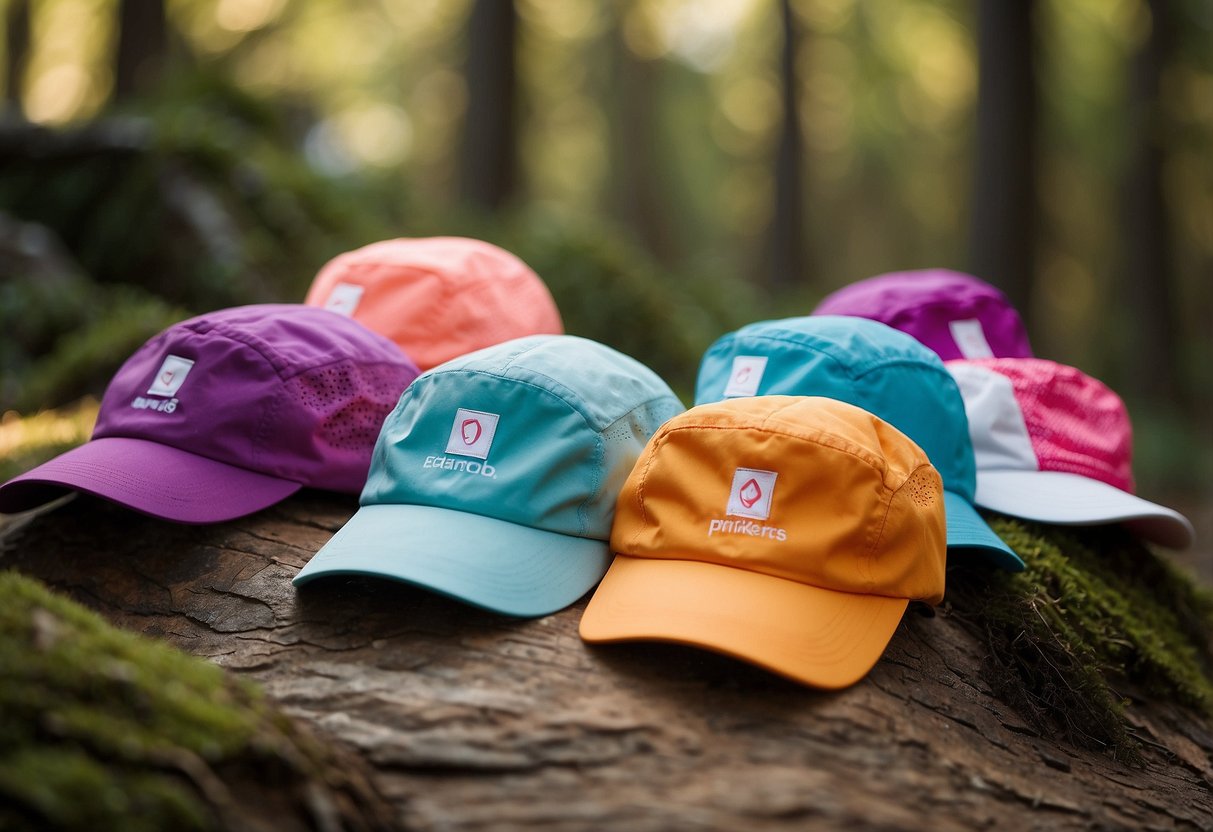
(807, 437)
(644, 476)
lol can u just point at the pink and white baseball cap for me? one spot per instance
(1055, 445)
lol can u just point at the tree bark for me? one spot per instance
(638, 179)
(1151, 352)
(16, 41)
(788, 263)
(476, 721)
(142, 46)
(488, 158)
(1003, 211)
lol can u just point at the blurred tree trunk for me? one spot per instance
(488, 158)
(636, 175)
(16, 41)
(1153, 355)
(788, 265)
(142, 46)
(1001, 242)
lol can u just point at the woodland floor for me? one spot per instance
(473, 721)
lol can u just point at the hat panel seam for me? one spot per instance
(259, 345)
(658, 440)
(797, 343)
(268, 419)
(396, 474)
(665, 434)
(919, 363)
(946, 302)
(565, 393)
(308, 368)
(853, 369)
(839, 443)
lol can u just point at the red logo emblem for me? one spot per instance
(470, 430)
(166, 376)
(750, 493)
(741, 376)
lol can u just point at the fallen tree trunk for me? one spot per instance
(475, 721)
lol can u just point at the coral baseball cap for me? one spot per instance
(437, 297)
(229, 412)
(877, 368)
(494, 479)
(1055, 445)
(787, 531)
(955, 314)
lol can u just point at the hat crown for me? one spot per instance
(849, 503)
(437, 297)
(539, 431)
(929, 304)
(282, 389)
(1073, 422)
(861, 362)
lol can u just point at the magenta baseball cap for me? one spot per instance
(1055, 445)
(955, 314)
(229, 412)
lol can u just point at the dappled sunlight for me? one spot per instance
(68, 75)
(26, 441)
(247, 15)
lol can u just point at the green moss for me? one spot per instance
(102, 729)
(1095, 615)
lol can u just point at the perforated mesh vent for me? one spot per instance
(641, 423)
(351, 401)
(922, 488)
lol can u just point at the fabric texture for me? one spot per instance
(437, 297)
(789, 531)
(954, 314)
(272, 397)
(526, 441)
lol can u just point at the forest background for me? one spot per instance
(671, 168)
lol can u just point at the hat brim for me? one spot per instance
(815, 636)
(1070, 499)
(968, 530)
(148, 477)
(501, 566)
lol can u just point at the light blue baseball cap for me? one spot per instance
(875, 367)
(495, 478)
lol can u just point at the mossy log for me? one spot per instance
(474, 721)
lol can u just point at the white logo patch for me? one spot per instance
(344, 298)
(970, 338)
(746, 375)
(751, 493)
(170, 376)
(472, 433)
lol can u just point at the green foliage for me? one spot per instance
(1094, 611)
(65, 339)
(199, 198)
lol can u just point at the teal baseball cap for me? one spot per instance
(875, 367)
(495, 478)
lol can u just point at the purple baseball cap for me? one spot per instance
(955, 314)
(229, 412)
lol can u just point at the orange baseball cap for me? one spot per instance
(787, 531)
(437, 297)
